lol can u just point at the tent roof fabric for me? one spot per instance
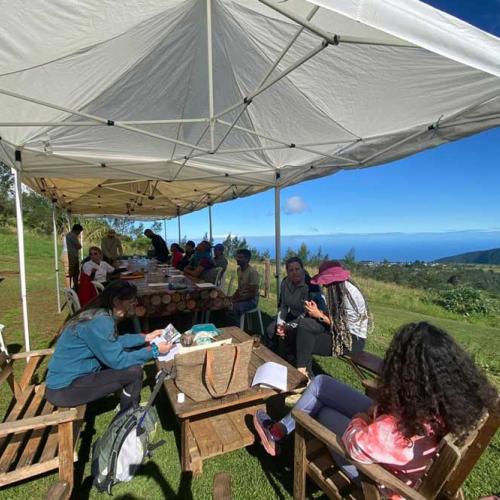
(161, 107)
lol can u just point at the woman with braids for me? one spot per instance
(428, 387)
(338, 328)
(91, 360)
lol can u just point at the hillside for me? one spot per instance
(253, 475)
(480, 257)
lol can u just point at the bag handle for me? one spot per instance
(209, 376)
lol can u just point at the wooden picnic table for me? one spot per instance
(217, 426)
(159, 300)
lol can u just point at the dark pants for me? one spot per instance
(99, 384)
(358, 344)
(313, 337)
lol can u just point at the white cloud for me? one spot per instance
(295, 205)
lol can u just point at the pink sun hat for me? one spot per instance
(330, 271)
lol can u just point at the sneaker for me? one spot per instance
(262, 423)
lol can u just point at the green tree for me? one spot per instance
(350, 259)
(7, 210)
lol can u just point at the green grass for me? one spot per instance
(254, 475)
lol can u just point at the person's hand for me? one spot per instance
(164, 347)
(312, 309)
(280, 330)
(153, 335)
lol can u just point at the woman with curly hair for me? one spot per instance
(429, 387)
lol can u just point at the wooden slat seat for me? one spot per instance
(35, 436)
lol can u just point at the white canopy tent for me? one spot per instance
(162, 107)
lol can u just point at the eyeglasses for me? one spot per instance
(95, 253)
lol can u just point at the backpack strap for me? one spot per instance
(160, 378)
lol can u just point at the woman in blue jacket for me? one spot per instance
(91, 360)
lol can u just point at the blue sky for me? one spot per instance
(452, 187)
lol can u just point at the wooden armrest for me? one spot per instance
(367, 361)
(32, 423)
(374, 471)
(32, 354)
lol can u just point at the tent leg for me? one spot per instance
(277, 235)
(165, 229)
(210, 224)
(20, 245)
(81, 249)
(56, 257)
(179, 227)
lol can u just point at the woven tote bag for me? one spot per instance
(214, 373)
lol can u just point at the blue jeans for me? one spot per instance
(333, 404)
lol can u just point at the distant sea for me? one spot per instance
(395, 247)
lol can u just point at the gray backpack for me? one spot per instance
(126, 443)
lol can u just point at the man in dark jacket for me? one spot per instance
(159, 244)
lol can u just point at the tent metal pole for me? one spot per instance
(277, 236)
(99, 119)
(210, 74)
(56, 257)
(165, 229)
(179, 224)
(81, 249)
(20, 244)
(210, 222)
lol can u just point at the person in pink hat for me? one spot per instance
(340, 327)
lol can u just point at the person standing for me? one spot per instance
(246, 296)
(70, 256)
(159, 244)
(111, 247)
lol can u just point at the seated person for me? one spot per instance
(188, 254)
(219, 258)
(177, 254)
(295, 290)
(340, 328)
(246, 296)
(429, 387)
(91, 361)
(95, 267)
(201, 264)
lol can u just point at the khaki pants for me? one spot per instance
(71, 266)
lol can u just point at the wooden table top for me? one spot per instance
(260, 355)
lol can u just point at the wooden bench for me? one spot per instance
(35, 436)
(443, 478)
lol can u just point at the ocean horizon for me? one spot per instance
(394, 247)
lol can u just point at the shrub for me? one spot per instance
(464, 300)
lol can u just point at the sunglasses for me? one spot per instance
(95, 253)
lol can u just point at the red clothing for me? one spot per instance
(176, 257)
(381, 442)
(86, 290)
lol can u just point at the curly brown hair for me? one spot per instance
(428, 379)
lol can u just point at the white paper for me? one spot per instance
(272, 375)
(170, 354)
(205, 285)
(158, 284)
